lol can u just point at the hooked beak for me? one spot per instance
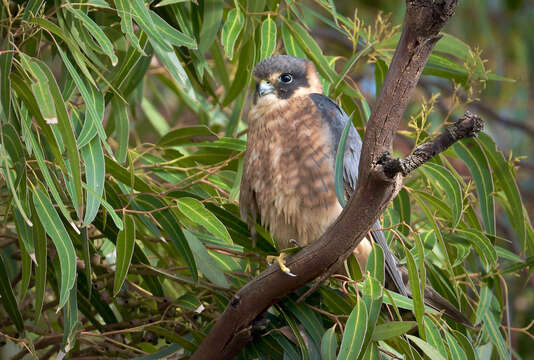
(264, 87)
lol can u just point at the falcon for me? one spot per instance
(288, 172)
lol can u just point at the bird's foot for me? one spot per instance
(281, 262)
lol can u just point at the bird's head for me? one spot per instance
(282, 77)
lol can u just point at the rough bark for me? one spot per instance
(423, 21)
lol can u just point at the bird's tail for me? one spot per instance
(392, 268)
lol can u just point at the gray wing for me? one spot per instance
(336, 119)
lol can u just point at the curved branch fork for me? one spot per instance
(422, 23)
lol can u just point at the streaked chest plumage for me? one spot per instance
(289, 166)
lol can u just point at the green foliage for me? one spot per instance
(122, 139)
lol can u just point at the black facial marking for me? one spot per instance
(283, 64)
(285, 91)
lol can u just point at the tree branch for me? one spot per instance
(468, 126)
(423, 21)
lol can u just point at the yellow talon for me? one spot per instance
(281, 262)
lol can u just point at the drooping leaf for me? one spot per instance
(95, 173)
(454, 193)
(473, 156)
(428, 349)
(206, 264)
(392, 329)
(355, 330)
(211, 18)
(235, 20)
(172, 35)
(503, 175)
(329, 344)
(57, 232)
(8, 298)
(124, 249)
(96, 32)
(268, 38)
(198, 213)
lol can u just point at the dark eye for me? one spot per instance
(286, 78)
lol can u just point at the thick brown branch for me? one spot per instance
(468, 126)
(423, 21)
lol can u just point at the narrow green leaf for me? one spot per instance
(70, 321)
(94, 102)
(96, 32)
(86, 257)
(456, 350)
(290, 44)
(32, 8)
(142, 17)
(187, 136)
(154, 117)
(206, 264)
(79, 58)
(24, 92)
(95, 174)
(503, 175)
(39, 240)
(195, 211)
(122, 126)
(308, 319)
(67, 133)
(381, 68)
(42, 94)
(375, 263)
(392, 329)
(491, 327)
(168, 221)
(40, 89)
(296, 331)
(124, 250)
(26, 266)
(6, 61)
(125, 13)
(46, 174)
(428, 349)
(123, 176)
(162, 353)
(170, 2)
(372, 296)
(355, 330)
(416, 290)
(329, 344)
(465, 344)
(235, 20)
(484, 303)
(24, 232)
(434, 336)
(268, 38)
(176, 70)
(170, 34)
(211, 19)
(242, 77)
(8, 298)
(57, 232)
(449, 183)
(474, 158)
(482, 246)
(401, 204)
